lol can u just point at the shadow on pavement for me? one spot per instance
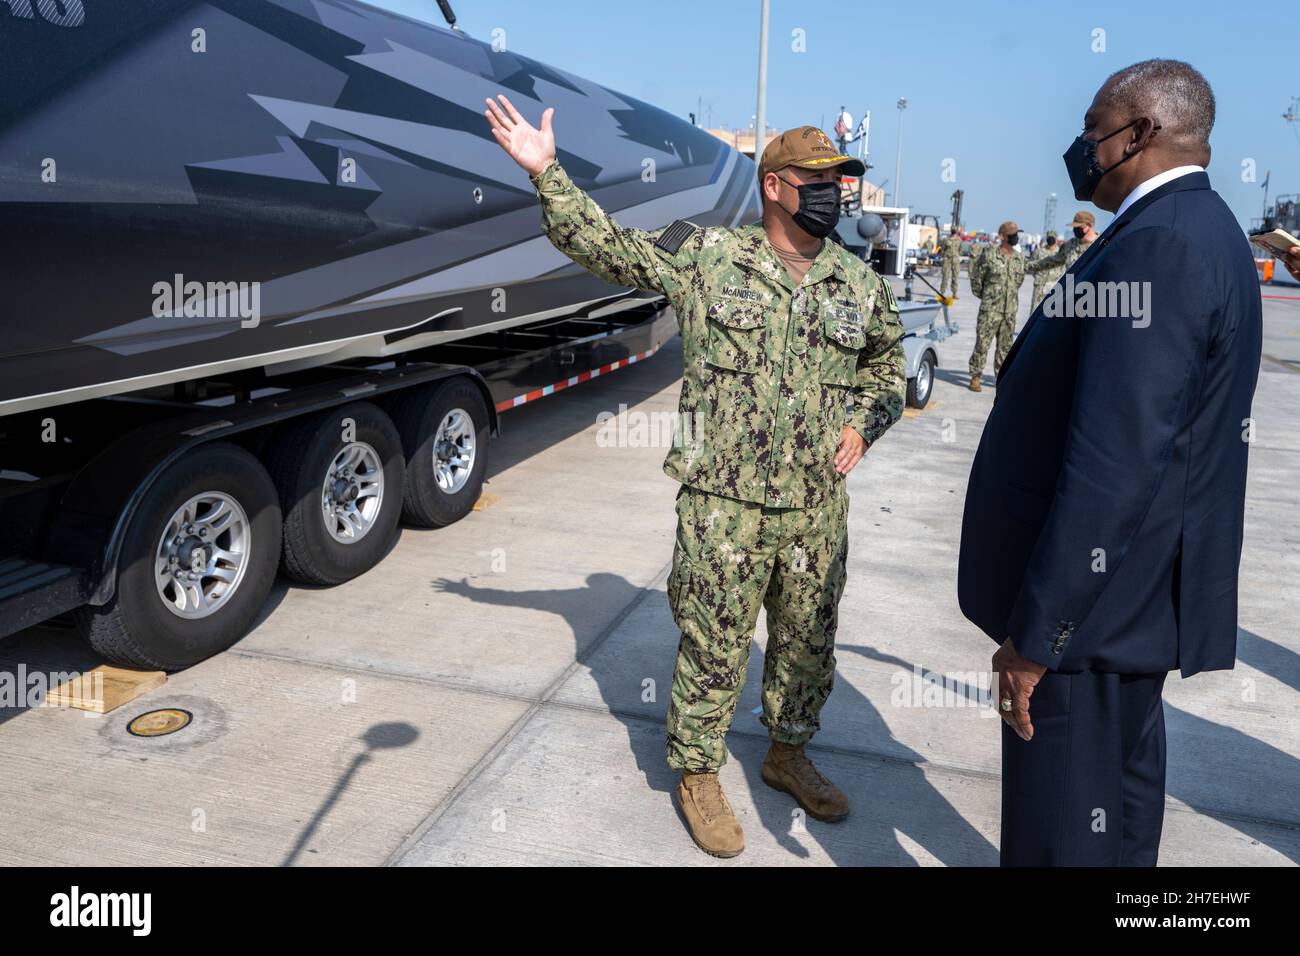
(913, 807)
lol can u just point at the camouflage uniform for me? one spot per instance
(951, 248)
(996, 282)
(772, 375)
(731, 560)
(1046, 278)
(1050, 268)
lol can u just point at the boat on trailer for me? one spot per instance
(193, 190)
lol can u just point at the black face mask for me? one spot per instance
(819, 207)
(1051, 243)
(1013, 238)
(1079, 232)
(1082, 166)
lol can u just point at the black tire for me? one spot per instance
(136, 628)
(301, 457)
(920, 388)
(418, 416)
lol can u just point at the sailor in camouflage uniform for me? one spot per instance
(951, 249)
(996, 281)
(1046, 278)
(973, 257)
(1056, 265)
(787, 382)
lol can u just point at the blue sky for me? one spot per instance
(998, 86)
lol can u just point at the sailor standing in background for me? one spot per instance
(996, 282)
(973, 257)
(1046, 279)
(793, 368)
(1067, 253)
(951, 249)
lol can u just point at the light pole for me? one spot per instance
(760, 118)
(898, 160)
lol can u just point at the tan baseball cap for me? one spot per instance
(1083, 218)
(1008, 228)
(808, 148)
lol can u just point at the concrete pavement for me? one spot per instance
(494, 692)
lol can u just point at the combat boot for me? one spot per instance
(788, 768)
(709, 818)
(976, 383)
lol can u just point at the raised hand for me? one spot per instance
(528, 146)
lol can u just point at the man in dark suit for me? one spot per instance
(1103, 525)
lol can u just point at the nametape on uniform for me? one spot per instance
(736, 292)
(671, 239)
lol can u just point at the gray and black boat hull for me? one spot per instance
(320, 168)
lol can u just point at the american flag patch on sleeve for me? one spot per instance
(671, 239)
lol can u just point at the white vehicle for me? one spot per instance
(879, 234)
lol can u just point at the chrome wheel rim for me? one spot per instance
(202, 555)
(352, 493)
(454, 450)
(924, 378)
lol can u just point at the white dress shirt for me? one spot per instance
(1155, 182)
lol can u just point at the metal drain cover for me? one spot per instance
(160, 723)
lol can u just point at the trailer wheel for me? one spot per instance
(340, 476)
(444, 432)
(197, 562)
(920, 387)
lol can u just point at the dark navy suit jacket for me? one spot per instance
(1104, 511)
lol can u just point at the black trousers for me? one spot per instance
(1089, 789)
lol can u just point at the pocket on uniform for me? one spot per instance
(679, 584)
(737, 334)
(845, 336)
(675, 581)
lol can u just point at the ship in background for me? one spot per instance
(1283, 214)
